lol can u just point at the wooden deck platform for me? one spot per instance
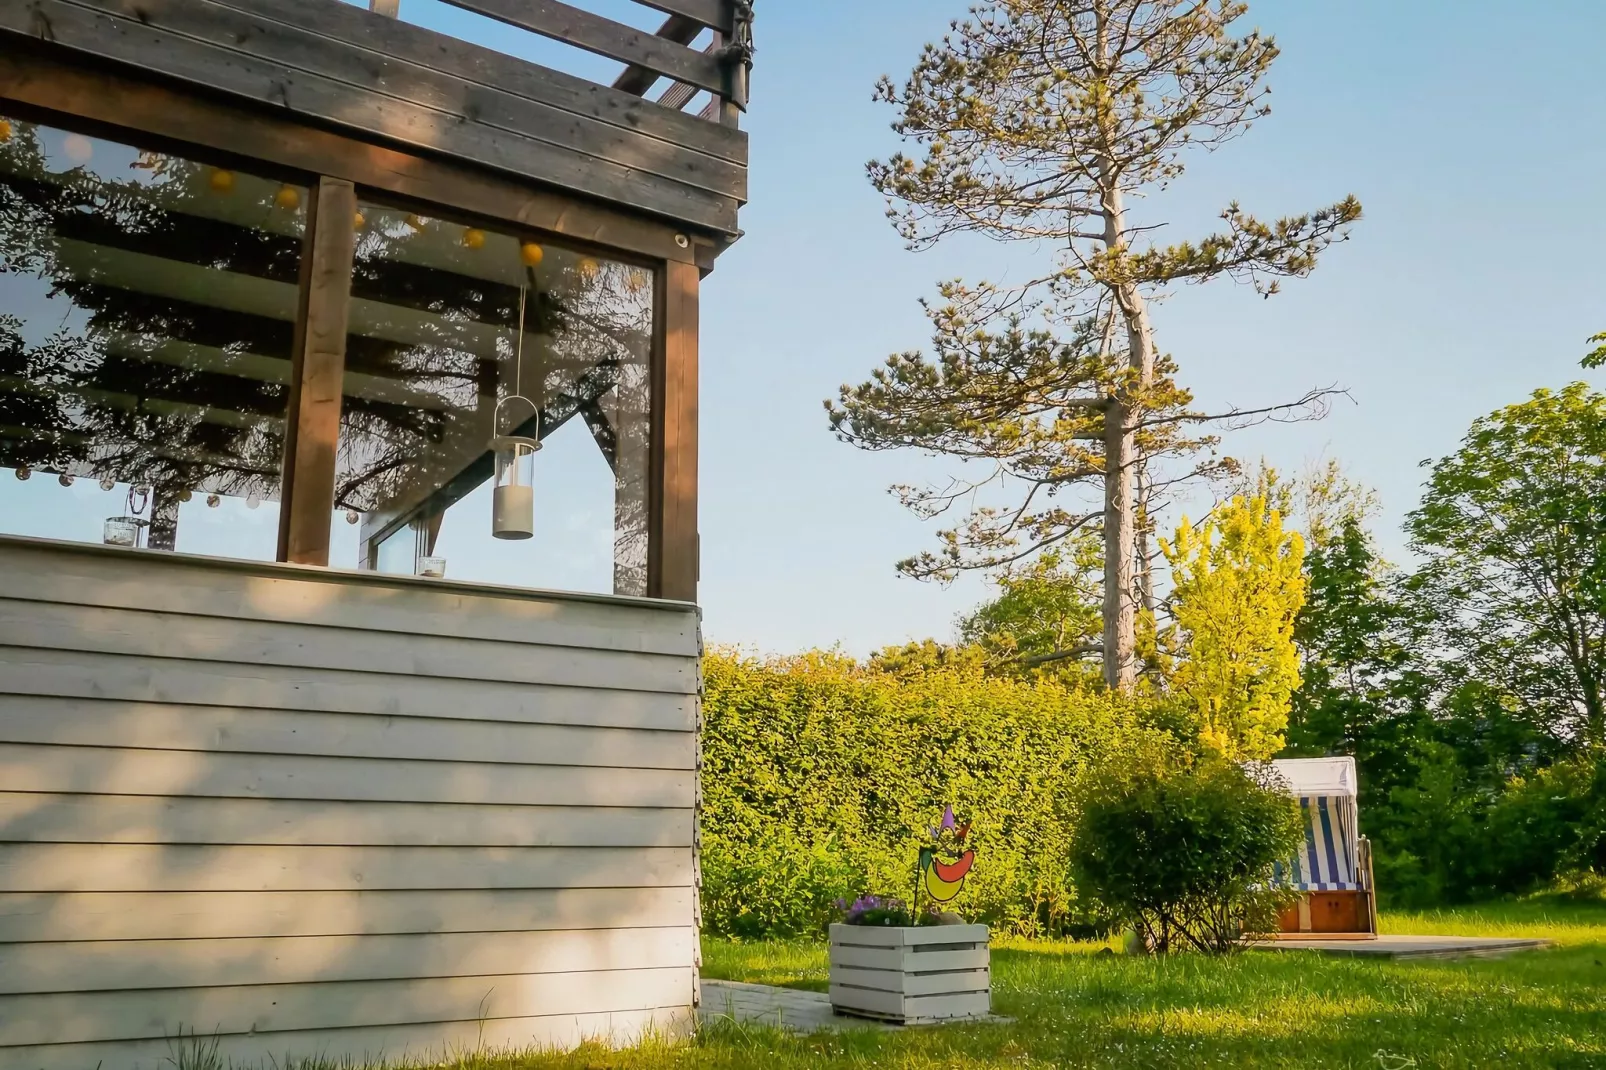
(1409, 947)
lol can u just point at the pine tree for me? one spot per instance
(1041, 121)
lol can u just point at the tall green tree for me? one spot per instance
(1046, 615)
(1238, 585)
(1045, 121)
(1513, 527)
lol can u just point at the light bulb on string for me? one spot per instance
(64, 479)
(288, 197)
(473, 238)
(221, 181)
(108, 483)
(79, 149)
(23, 473)
(212, 501)
(352, 516)
(5, 131)
(532, 254)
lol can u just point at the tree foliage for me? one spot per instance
(1513, 526)
(1238, 585)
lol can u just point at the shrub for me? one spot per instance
(821, 779)
(1182, 850)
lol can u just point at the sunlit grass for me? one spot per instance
(1074, 1006)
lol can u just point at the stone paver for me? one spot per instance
(786, 1008)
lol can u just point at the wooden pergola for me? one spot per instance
(649, 170)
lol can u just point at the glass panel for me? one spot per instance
(437, 367)
(147, 308)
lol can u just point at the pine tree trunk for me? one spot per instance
(1120, 616)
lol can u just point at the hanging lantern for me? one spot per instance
(121, 531)
(513, 496)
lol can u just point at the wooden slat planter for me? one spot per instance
(912, 975)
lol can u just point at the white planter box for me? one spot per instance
(911, 975)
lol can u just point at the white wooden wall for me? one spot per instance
(327, 813)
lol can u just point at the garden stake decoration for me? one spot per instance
(942, 880)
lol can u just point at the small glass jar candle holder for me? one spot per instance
(121, 531)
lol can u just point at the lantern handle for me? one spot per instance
(496, 413)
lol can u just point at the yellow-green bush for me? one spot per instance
(821, 777)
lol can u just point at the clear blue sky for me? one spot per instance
(1477, 144)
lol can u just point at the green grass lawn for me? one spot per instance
(1076, 1008)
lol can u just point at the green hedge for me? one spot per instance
(821, 776)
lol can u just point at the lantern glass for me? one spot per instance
(513, 497)
(121, 531)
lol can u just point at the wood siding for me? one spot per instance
(337, 65)
(323, 813)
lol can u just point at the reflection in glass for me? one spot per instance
(147, 308)
(449, 324)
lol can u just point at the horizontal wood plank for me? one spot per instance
(171, 635)
(715, 14)
(488, 67)
(415, 1044)
(79, 1017)
(88, 966)
(197, 587)
(128, 40)
(85, 674)
(28, 917)
(105, 95)
(117, 867)
(583, 29)
(36, 817)
(161, 726)
(127, 771)
(301, 36)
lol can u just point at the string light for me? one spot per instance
(288, 198)
(78, 147)
(221, 181)
(474, 238)
(185, 496)
(415, 221)
(212, 501)
(23, 473)
(64, 479)
(587, 268)
(107, 483)
(5, 130)
(532, 254)
(352, 516)
(357, 221)
(253, 500)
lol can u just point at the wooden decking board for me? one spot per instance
(1410, 947)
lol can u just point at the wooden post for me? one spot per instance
(312, 427)
(673, 547)
(391, 8)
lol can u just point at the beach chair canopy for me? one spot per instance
(1326, 789)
